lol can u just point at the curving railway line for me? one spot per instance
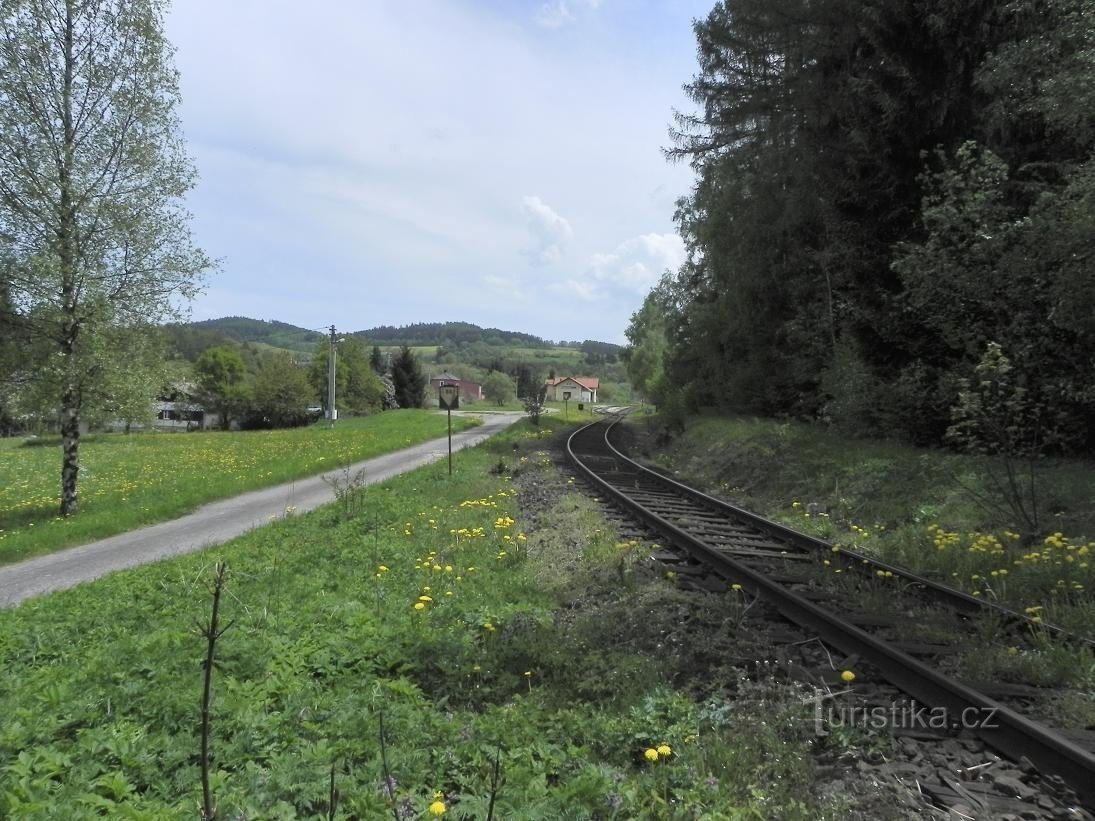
(821, 587)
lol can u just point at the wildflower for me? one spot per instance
(383, 568)
(488, 627)
(438, 808)
(847, 676)
(735, 587)
(651, 754)
(664, 750)
(424, 598)
(419, 605)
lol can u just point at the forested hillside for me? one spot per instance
(268, 332)
(893, 222)
(449, 334)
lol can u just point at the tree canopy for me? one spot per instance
(410, 383)
(883, 191)
(92, 174)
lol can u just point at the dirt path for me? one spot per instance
(217, 522)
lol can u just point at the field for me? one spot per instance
(131, 480)
(441, 652)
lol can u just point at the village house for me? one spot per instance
(580, 388)
(469, 391)
(175, 409)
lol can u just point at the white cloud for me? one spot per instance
(553, 15)
(637, 263)
(507, 285)
(549, 231)
(584, 290)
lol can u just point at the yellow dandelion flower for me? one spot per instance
(651, 754)
(438, 808)
(664, 750)
(847, 676)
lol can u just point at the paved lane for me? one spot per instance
(217, 522)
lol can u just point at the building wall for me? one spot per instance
(469, 391)
(577, 392)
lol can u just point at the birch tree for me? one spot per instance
(92, 173)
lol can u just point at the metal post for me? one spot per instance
(448, 395)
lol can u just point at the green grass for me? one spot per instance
(506, 659)
(917, 507)
(127, 481)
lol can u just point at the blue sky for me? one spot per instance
(365, 162)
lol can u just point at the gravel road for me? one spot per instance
(217, 522)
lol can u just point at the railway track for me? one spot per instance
(912, 642)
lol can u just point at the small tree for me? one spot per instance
(376, 360)
(498, 387)
(281, 393)
(221, 379)
(998, 418)
(410, 384)
(534, 406)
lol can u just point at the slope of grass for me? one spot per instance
(131, 480)
(437, 614)
(930, 510)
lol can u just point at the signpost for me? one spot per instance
(566, 404)
(449, 399)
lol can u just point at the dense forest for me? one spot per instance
(893, 221)
(449, 334)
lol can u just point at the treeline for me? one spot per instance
(893, 223)
(268, 332)
(287, 390)
(449, 334)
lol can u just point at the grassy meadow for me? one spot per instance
(437, 653)
(127, 481)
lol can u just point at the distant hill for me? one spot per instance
(448, 334)
(441, 341)
(261, 331)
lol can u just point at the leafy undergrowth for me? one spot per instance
(928, 510)
(127, 481)
(482, 645)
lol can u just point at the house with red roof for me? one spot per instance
(580, 388)
(469, 391)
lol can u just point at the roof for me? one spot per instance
(590, 383)
(448, 377)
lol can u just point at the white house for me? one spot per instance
(175, 409)
(580, 388)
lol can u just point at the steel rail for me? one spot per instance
(957, 599)
(1008, 732)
